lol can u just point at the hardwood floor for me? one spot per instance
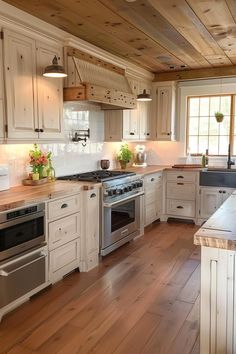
(143, 298)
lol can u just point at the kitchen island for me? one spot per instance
(217, 239)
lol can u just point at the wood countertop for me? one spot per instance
(220, 229)
(157, 168)
(22, 195)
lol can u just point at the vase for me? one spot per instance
(41, 172)
(123, 164)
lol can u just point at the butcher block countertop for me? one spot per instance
(157, 168)
(220, 229)
(22, 195)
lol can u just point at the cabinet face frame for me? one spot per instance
(2, 98)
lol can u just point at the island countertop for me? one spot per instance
(220, 229)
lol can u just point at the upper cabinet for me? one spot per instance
(34, 103)
(164, 111)
(2, 115)
(130, 124)
(49, 90)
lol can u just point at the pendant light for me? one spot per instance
(55, 70)
(144, 96)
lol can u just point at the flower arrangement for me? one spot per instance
(39, 161)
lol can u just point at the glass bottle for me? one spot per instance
(51, 172)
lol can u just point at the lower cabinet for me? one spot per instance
(153, 197)
(90, 230)
(180, 194)
(218, 299)
(64, 236)
(211, 198)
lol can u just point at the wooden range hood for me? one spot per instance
(95, 80)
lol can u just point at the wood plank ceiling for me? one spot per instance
(158, 35)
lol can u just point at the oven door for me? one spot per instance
(121, 219)
(21, 234)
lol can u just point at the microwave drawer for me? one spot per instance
(22, 275)
(64, 230)
(63, 207)
(185, 208)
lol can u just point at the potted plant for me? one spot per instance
(124, 155)
(219, 117)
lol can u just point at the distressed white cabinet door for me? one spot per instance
(50, 95)
(130, 124)
(144, 120)
(21, 93)
(113, 123)
(210, 200)
(2, 111)
(164, 112)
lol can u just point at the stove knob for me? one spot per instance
(126, 189)
(130, 188)
(121, 191)
(134, 185)
(110, 192)
(114, 191)
(140, 183)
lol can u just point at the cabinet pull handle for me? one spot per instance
(179, 207)
(180, 184)
(220, 191)
(64, 206)
(131, 133)
(93, 195)
(180, 176)
(37, 130)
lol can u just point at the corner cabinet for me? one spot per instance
(164, 111)
(34, 103)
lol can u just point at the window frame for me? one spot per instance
(231, 127)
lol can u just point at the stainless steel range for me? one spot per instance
(120, 212)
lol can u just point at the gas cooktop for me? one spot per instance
(97, 176)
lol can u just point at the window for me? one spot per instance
(203, 131)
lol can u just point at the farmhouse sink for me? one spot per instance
(221, 177)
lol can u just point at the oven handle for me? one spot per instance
(3, 273)
(110, 205)
(21, 220)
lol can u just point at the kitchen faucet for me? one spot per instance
(229, 161)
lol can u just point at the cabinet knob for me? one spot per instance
(220, 191)
(148, 134)
(41, 130)
(152, 179)
(169, 133)
(223, 192)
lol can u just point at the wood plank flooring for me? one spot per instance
(142, 298)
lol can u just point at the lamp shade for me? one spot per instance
(144, 96)
(54, 70)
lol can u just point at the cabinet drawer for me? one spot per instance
(63, 207)
(153, 179)
(181, 176)
(180, 190)
(64, 256)
(181, 207)
(64, 230)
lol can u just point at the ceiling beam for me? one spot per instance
(207, 73)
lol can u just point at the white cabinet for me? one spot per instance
(2, 106)
(211, 198)
(64, 235)
(180, 194)
(218, 313)
(90, 233)
(152, 198)
(113, 122)
(34, 103)
(164, 111)
(50, 118)
(130, 124)
(21, 91)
